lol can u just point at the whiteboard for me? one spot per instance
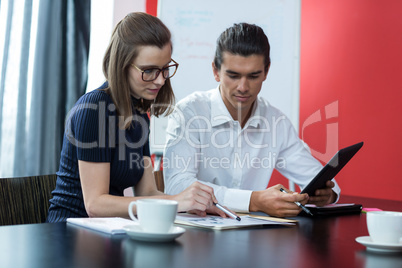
(195, 27)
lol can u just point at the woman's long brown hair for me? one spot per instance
(135, 30)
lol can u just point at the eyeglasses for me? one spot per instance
(150, 74)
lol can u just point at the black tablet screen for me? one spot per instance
(328, 172)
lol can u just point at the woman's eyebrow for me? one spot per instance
(153, 66)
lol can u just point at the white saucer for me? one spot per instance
(136, 233)
(378, 247)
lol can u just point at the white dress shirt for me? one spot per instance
(204, 143)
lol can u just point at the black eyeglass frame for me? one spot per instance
(158, 72)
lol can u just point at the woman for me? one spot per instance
(106, 145)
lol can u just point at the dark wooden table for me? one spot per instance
(319, 242)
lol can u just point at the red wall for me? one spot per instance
(151, 7)
(351, 52)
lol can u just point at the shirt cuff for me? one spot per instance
(237, 200)
(337, 190)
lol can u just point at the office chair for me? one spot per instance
(160, 184)
(25, 200)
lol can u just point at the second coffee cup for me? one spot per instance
(385, 226)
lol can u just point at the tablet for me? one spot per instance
(328, 172)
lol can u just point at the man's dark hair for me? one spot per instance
(243, 39)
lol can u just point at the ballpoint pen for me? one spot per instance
(227, 212)
(299, 204)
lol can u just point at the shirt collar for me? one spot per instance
(255, 117)
(220, 114)
(133, 99)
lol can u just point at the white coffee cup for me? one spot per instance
(154, 215)
(385, 226)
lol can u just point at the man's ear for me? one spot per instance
(216, 72)
(266, 74)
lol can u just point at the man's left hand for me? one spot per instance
(324, 196)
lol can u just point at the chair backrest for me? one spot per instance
(25, 200)
(160, 184)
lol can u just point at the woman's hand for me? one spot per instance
(199, 199)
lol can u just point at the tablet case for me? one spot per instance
(334, 211)
(329, 171)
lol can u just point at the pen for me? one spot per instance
(227, 212)
(298, 204)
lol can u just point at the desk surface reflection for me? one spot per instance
(318, 242)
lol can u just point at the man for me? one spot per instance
(231, 139)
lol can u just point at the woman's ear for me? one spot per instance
(216, 72)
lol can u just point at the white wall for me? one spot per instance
(195, 28)
(105, 14)
(123, 7)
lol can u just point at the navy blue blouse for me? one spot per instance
(92, 134)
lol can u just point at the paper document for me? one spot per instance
(106, 225)
(219, 223)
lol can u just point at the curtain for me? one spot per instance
(52, 67)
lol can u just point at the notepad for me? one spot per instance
(365, 210)
(260, 215)
(113, 225)
(219, 223)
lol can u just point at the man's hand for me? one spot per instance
(275, 203)
(324, 196)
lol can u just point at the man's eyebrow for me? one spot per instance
(255, 73)
(236, 73)
(232, 72)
